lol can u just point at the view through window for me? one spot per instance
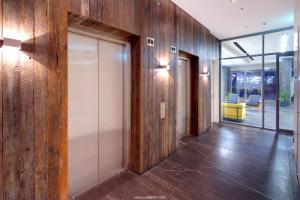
(257, 80)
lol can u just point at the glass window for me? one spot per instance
(245, 87)
(241, 90)
(286, 92)
(270, 87)
(279, 42)
(242, 47)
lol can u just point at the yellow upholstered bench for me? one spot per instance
(234, 111)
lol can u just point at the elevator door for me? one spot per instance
(82, 112)
(111, 58)
(183, 93)
(96, 111)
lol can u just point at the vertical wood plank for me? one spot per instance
(74, 6)
(1, 120)
(85, 8)
(63, 98)
(100, 8)
(172, 40)
(154, 92)
(57, 101)
(41, 62)
(1, 103)
(53, 97)
(26, 101)
(93, 9)
(136, 157)
(11, 104)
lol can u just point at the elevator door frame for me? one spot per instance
(126, 89)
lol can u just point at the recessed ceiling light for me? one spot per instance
(242, 8)
(232, 1)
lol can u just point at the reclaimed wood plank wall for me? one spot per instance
(154, 139)
(33, 86)
(33, 137)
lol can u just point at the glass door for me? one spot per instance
(285, 91)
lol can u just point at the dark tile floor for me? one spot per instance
(228, 162)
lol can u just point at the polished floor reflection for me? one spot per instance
(228, 162)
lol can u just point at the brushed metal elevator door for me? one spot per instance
(111, 106)
(82, 112)
(96, 111)
(182, 98)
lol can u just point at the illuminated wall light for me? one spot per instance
(163, 71)
(164, 64)
(8, 43)
(163, 68)
(167, 67)
(205, 71)
(205, 74)
(11, 50)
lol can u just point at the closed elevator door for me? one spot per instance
(96, 111)
(111, 109)
(82, 112)
(183, 98)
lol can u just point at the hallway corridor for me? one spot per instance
(228, 162)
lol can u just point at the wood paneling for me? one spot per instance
(33, 87)
(34, 101)
(1, 113)
(153, 139)
(136, 105)
(120, 14)
(26, 104)
(41, 42)
(11, 106)
(57, 101)
(162, 138)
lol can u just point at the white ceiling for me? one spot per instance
(225, 19)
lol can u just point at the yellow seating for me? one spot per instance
(234, 111)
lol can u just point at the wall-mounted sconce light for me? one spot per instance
(167, 67)
(11, 43)
(163, 68)
(205, 74)
(163, 64)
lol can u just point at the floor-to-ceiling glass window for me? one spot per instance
(257, 80)
(242, 80)
(270, 94)
(280, 46)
